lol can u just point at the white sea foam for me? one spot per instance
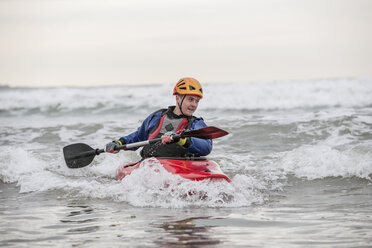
(64, 100)
(311, 130)
(265, 95)
(157, 187)
(17, 162)
(287, 95)
(320, 161)
(152, 182)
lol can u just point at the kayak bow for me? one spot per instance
(193, 169)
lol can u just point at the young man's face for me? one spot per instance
(189, 104)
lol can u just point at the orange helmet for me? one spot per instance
(188, 86)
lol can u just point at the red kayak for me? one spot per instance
(192, 169)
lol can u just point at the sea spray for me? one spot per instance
(279, 132)
(317, 162)
(298, 154)
(17, 162)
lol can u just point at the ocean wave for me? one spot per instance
(290, 95)
(253, 178)
(321, 161)
(278, 131)
(17, 162)
(237, 96)
(152, 182)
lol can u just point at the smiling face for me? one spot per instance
(189, 104)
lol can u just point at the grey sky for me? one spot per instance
(91, 42)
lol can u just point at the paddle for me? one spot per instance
(80, 155)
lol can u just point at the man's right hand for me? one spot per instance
(112, 146)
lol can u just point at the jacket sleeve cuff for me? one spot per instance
(187, 143)
(122, 141)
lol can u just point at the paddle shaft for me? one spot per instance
(137, 144)
(94, 152)
(87, 154)
(203, 133)
(79, 155)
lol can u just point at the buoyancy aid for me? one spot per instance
(168, 123)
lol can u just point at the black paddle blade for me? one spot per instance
(205, 133)
(78, 155)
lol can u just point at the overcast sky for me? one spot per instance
(117, 42)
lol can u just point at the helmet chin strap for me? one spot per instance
(180, 106)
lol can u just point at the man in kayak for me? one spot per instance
(165, 122)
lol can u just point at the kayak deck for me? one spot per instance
(193, 169)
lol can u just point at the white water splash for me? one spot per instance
(16, 162)
(320, 161)
(150, 185)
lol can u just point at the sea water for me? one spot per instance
(299, 155)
